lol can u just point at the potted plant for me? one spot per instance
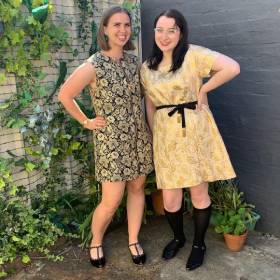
(232, 215)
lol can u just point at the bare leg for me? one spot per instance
(199, 196)
(112, 193)
(172, 199)
(135, 209)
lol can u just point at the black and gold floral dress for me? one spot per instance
(122, 149)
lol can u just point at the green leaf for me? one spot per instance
(19, 123)
(15, 238)
(42, 91)
(14, 37)
(25, 259)
(75, 52)
(54, 151)
(14, 190)
(3, 274)
(15, 3)
(75, 146)
(42, 75)
(2, 183)
(45, 56)
(10, 123)
(29, 166)
(31, 21)
(3, 79)
(66, 136)
(22, 71)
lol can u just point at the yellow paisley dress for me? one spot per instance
(185, 157)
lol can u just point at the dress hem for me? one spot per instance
(130, 178)
(192, 184)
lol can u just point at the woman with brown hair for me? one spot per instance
(122, 144)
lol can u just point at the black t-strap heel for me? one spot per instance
(138, 259)
(100, 261)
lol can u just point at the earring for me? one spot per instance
(106, 37)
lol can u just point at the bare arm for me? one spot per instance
(150, 110)
(81, 77)
(223, 70)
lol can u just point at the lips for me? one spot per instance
(122, 38)
(164, 44)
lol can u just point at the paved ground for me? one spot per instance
(259, 260)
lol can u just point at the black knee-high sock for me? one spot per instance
(175, 220)
(201, 222)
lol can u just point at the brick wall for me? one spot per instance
(11, 139)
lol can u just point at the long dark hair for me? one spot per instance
(180, 50)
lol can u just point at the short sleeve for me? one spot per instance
(143, 81)
(204, 59)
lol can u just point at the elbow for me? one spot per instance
(236, 68)
(60, 97)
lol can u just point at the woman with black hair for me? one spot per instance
(188, 148)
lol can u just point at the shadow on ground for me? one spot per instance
(259, 260)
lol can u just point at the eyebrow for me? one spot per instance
(159, 27)
(121, 22)
(174, 27)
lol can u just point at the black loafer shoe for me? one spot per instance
(196, 257)
(172, 248)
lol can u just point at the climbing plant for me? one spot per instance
(32, 220)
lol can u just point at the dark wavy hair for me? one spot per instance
(180, 50)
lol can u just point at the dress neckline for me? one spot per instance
(164, 68)
(109, 58)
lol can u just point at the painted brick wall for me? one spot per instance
(247, 110)
(11, 139)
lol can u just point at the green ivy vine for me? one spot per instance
(33, 220)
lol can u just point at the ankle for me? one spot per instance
(180, 239)
(136, 249)
(198, 244)
(133, 241)
(96, 243)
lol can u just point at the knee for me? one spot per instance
(172, 205)
(110, 207)
(135, 189)
(200, 201)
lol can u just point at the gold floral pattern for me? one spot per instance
(123, 148)
(185, 157)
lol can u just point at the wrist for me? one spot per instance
(85, 122)
(203, 90)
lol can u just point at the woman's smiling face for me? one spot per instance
(167, 34)
(118, 29)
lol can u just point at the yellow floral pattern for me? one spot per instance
(185, 157)
(123, 148)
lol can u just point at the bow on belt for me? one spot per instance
(179, 108)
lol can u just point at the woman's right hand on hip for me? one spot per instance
(96, 123)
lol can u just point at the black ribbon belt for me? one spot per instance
(179, 108)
